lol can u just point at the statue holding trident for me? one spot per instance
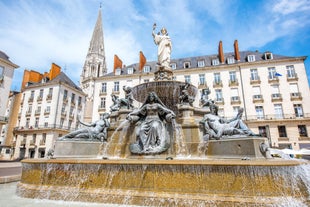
(164, 46)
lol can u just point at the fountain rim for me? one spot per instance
(176, 161)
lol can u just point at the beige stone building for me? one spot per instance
(49, 106)
(6, 75)
(273, 89)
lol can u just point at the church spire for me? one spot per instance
(95, 64)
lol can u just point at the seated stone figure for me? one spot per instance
(216, 127)
(115, 106)
(96, 130)
(152, 136)
(123, 103)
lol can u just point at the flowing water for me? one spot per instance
(181, 148)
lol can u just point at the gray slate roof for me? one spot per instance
(259, 56)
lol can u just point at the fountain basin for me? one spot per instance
(155, 182)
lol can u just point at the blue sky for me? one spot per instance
(35, 33)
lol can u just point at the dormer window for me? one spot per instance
(173, 66)
(129, 70)
(201, 63)
(251, 58)
(146, 69)
(268, 56)
(230, 60)
(215, 62)
(186, 64)
(118, 71)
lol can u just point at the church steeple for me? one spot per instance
(95, 64)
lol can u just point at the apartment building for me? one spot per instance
(51, 105)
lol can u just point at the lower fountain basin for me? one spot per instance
(168, 182)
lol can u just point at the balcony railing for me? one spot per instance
(44, 127)
(276, 97)
(217, 84)
(273, 80)
(233, 82)
(296, 96)
(278, 117)
(292, 77)
(258, 99)
(235, 100)
(255, 80)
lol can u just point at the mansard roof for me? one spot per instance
(61, 78)
(259, 56)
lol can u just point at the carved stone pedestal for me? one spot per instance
(77, 149)
(163, 73)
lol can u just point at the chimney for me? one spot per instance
(236, 48)
(221, 53)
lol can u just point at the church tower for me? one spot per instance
(94, 66)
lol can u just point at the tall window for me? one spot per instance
(44, 137)
(1, 71)
(80, 101)
(290, 71)
(302, 129)
(41, 93)
(272, 73)
(256, 92)
(187, 78)
(259, 112)
(217, 78)
(294, 89)
(298, 110)
(36, 123)
(27, 122)
(234, 94)
(202, 79)
(65, 94)
(72, 98)
(62, 120)
(103, 87)
(232, 76)
(218, 95)
(215, 62)
(32, 95)
(282, 131)
(230, 60)
(50, 91)
(251, 58)
(116, 86)
(254, 74)
(102, 102)
(275, 91)
(278, 111)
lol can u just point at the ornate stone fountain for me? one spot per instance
(166, 153)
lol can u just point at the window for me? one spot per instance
(254, 74)
(236, 110)
(232, 76)
(259, 112)
(41, 93)
(65, 95)
(272, 73)
(32, 95)
(38, 111)
(29, 109)
(218, 95)
(173, 66)
(186, 65)
(44, 137)
(302, 129)
(62, 122)
(36, 123)
(48, 109)
(230, 60)
(298, 110)
(215, 62)
(217, 78)
(187, 78)
(1, 71)
(256, 92)
(80, 101)
(251, 58)
(262, 131)
(45, 124)
(201, 63)
(50, 91)
(147, 69)
(234, 94)
(72, 98)
(202, 79)
(34, 138)
(116, 86)
(118, 71)
(71, 111)
(268, 56)
(275, 92)
(290, 71)
(294, 89)
(102, 102)
(278, 111)
(282, 131)
(129, 70)
(103, 87)
(27, 122)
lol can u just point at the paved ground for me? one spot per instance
(10, 171)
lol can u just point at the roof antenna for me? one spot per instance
(100, 4)
(65, 68)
